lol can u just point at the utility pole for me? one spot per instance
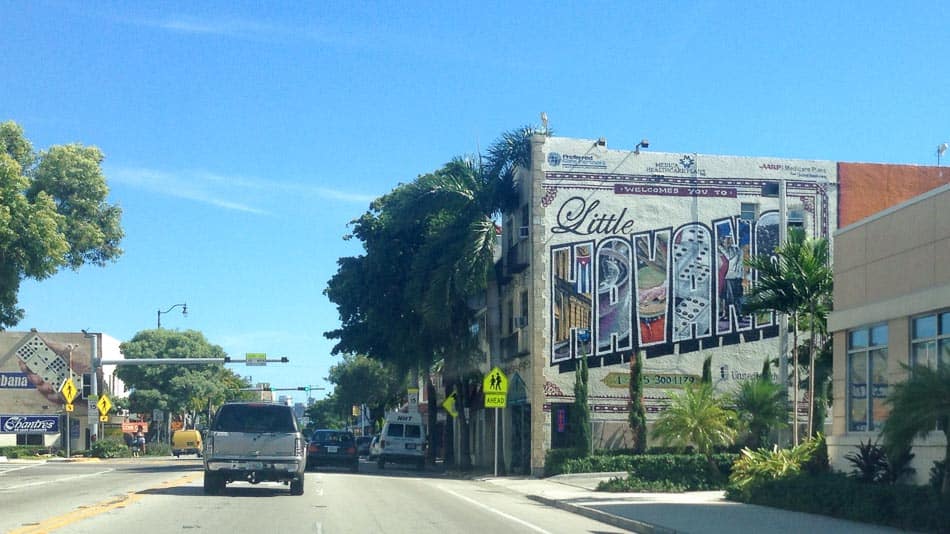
(93, 382)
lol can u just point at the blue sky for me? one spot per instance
(242, 137)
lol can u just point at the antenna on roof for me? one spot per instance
(941, 148)
(544, 122)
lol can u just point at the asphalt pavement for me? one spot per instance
(662, 513)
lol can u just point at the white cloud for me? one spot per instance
(223, 191)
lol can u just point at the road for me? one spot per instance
(147, 495)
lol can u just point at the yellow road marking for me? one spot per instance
(54, 523)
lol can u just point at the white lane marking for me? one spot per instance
(27, 466)
(56, 481)
(503, 514)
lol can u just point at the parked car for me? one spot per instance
(332, 447)
(374, 448)
(254, 442)
(362, 445)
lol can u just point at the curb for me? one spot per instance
(631, 525)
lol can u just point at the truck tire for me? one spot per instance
(381, 462)
(296, 486)
(213, 483)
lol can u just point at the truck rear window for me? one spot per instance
(254, 418)
(399, 430)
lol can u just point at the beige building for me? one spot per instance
(33, 368)
(613, 253)
(892, 308)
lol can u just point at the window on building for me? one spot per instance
(511, 316)
(867, 378)
(29, 439)
(748, 211)
(524, 308)
(930, 342)
(796, 217)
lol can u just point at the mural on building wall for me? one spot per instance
(34, 368)
(665, 255)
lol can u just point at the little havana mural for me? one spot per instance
(627, 276)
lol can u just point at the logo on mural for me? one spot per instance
(576, 161)
(686, 165)
(800, 171)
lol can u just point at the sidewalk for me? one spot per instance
(662, 513)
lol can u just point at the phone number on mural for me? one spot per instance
(668, 380)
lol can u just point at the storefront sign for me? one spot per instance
(29, 424)
(15, 381)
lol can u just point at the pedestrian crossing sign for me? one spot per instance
(495, 389)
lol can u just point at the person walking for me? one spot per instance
(140, 441)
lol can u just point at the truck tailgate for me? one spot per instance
(253, 444)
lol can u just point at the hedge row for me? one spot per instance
(918, 508)
(683, 472)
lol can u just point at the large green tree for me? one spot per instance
(428, 250)
(176, 388)
(920, 405)
(53, 214)
(360, 380)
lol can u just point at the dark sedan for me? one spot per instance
(334, 448)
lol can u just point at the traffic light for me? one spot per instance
(86, 385)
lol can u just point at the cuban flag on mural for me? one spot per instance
(583, 273)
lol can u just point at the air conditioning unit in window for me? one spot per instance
(521, 322)
(523, 232)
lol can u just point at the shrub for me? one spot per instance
(680, 472)
(23, 451)
(158, 449)
(634, 484)
(837, 495)
(109, 448)
(872, 464)
(555, 459)
(936, 474)
(868, 462)
(757, 466)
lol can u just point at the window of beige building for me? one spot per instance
(867, 378)
(930, 345)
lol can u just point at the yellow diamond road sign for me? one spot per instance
(104, 405)
(69, 390)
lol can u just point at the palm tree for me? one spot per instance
(761, 406)
(459, 204)
(814, 285)
(797, 281)
(696, 417)
(920, 405)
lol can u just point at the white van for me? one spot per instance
(403, 440)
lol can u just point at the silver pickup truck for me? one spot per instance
(254, 442)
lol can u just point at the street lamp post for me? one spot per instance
(184, 311)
